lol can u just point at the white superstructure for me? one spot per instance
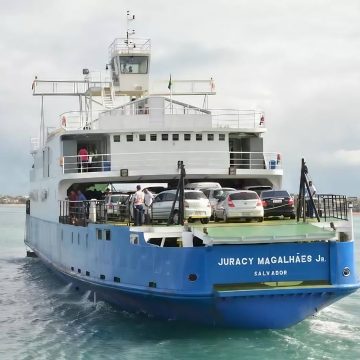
(133, 135)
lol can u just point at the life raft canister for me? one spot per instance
(63, 121)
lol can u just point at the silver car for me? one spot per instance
(214, 194)
(196, 206)
(241, 204)
(113, 204)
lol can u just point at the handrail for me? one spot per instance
(148, 161)
(332, 206)
(66, 87)
(80, 213)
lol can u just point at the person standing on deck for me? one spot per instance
(148, 200)
(83, 157)
(139, 199)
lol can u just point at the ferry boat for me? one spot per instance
(272, 274)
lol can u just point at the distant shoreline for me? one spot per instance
(12, 204)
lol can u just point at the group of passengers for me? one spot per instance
(142, 203)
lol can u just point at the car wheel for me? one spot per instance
(260, 219)
(292, 216)
(216, 219)
(205, 220)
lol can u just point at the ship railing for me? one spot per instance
(81, 213)
(78, 120)
(230, 118)
(70, 87)
(133, 45)
(332, 206)
(183, 87)
(148, 162)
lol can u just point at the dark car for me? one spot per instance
(278, 203)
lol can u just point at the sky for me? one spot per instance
(296, 60)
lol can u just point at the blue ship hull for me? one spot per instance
(224, 286)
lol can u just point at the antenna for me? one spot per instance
(129, 32)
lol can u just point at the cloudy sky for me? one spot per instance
(298, 60)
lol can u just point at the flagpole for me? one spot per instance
(170, 88)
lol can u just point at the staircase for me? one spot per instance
(107, 98)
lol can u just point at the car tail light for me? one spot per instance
(291, 201)
(186, 204)
(230, 202)
(264, 203)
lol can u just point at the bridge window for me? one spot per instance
(164, 137)
(221, 137)
(175, 137)
(187, 137)
(142, 137)
(210, 137)
(130, 137)
(153, 137)
(116, 138)
(134, 64)
(198, 137)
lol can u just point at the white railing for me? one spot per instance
(133, 45)
(78, 120)
(43, 87)
(228, 118)
(183, 87)
(151, 162)
(234, 119)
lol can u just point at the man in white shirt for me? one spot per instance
(138, 206)
(148, 200)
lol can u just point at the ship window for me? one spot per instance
(130, 137)
(142, 137)
(187, 137)
(198, 137)
(175, 137)
(221, 137)
(99, 234)
(134, 64)
(116, 138)
(153, 137)
(107, 235)
(210, 137)
(164, 137)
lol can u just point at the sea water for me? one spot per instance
(44, 318)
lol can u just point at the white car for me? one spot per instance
(196, 206)
(241, 204)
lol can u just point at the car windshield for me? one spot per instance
(194, 195)
(274, 193)
(243, 196)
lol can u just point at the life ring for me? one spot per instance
(63, 121)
